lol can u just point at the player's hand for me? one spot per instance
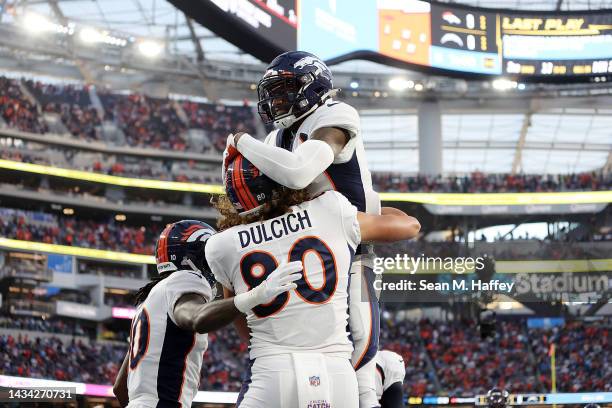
(229, 154)
(237, 137)
(281, 280)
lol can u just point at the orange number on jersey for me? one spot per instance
(255, 267)
(139, 338)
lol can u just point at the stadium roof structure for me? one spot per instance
(160, 19)
(539, 129)
(536, 4)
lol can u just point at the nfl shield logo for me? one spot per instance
(315, 380)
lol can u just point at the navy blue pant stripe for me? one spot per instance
(372, 346)
(245, 383)
(178, 343)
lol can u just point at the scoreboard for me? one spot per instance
(451, 38)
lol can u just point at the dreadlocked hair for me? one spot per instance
(143, 292)
(274, 208)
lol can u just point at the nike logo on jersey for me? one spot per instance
(277, 228)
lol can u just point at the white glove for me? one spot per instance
(229, 154)
(281, 280)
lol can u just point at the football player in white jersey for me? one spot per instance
(299, 344)
(317, 143)
(390, 373)
(167, 338)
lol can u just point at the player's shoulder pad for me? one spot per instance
(392, 363)
(334, 114)
(184, 275)
(218, 247)
(215, 244)
(271, 137)
(333, 201)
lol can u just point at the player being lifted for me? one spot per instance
(174, 311)
(299, 344)
(317, 143)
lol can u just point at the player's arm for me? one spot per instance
(240, 322)
(192, 312)
(299, 168)
(120, 388)
(391, 225)
(393, 397)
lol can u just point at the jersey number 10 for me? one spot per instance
(255, 267)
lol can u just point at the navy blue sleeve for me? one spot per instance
(393, 397)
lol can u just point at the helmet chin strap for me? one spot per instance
(290, 119)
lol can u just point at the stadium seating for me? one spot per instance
(466, 364)
(444, 358)
(16, 110)
(52, 229)
(72, 104)
(164, 123)
(218, 121)
(478, 182)
(582, 355)
(109, 234)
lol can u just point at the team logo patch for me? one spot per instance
(319, 404)
(314, 380)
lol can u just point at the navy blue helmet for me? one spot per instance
(181, 246)
(246, 186)
(294, 85)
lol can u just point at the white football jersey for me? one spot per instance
(323, 233)
(349, 172)
(389, 370)
(165, 360)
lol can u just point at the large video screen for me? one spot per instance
(440, 36)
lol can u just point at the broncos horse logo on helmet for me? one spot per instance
(181, 246)
(293, 86)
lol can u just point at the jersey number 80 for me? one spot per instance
(255, 267)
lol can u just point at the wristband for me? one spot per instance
(248, 300)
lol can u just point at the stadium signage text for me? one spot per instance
(560, 283)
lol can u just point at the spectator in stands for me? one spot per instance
(17, 110)
(72, 104)
(443, 358)
(26, 225)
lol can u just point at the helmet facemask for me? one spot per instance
(284, 99)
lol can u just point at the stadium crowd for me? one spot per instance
(582, 354)
(98, 362)
(112, 235)
(478, 182)
(187, 171)
(402, 337)
(16, 110)
(465, 363)
(162, 124)
(219, 120)
(59, 326)
(159, 123)
(72, 104)
(448, 358)
(50, 357)
(52, 229)
(145, 121)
